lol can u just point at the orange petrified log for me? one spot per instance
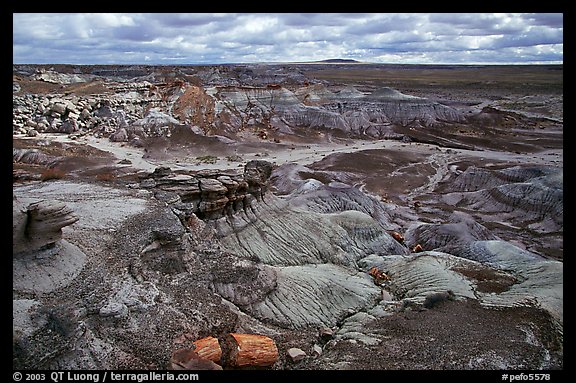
(208, 348)
(252, 350)
(397, 236)
(379, 276)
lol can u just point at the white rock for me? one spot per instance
(316, 350)
(114, 309)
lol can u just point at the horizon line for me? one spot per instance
(324, 62)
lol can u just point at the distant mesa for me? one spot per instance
(339, 61)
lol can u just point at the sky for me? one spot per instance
(215, 38)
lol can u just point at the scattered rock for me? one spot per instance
(316, 350)
(295, 354)
(215, 252)
(379, 277)
(187, 359)
(114, 309)
(325, 334)
(58, 107)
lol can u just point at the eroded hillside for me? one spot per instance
(371, 217)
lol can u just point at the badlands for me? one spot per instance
(347, 216)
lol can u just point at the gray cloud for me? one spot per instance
(279, 37)
(554, 20)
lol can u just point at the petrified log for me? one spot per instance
(209, 348)
(397, 236)
(417, 249)
(379, 276)
(252, 350)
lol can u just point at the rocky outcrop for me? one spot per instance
(195, 107)
(101, 115)
(39, 224)
(256, 174)
(61, 78)
(42, 260)
(156, 123)
(33, 156)
(209, 195)
(237, 102)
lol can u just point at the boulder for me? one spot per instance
(58, 107)
(155, 119)
(119, 136)
(69, 126)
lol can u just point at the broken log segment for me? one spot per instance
(417, 249)
(252, 350)
(398, 237)
(209, 348)
(379, 277)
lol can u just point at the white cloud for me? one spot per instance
(228, 37)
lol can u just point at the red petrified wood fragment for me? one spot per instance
(208, 348)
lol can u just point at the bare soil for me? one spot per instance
(453, 335)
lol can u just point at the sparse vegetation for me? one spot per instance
(52, 174)
(106, 177)
(234, 158)
(208, 159)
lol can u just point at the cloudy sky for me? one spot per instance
(195, 38)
